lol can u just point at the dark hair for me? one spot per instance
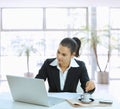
(78, 41)
(70, 43)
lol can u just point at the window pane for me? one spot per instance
(115, 40)
(24, 18)
(13, 52)
(78, 18)
(104, 41)
(102, 18)
(66, 18)
(115, 57)
(115, 18)
(12, 41)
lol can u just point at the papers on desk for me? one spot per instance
(65, 95)
(77, 103)
(73, 99)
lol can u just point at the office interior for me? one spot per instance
(39, 25)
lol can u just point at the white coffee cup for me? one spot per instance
(85, 97)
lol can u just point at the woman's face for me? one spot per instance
(64, 56)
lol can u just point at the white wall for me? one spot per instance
(58, 3)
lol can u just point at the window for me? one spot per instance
(43, 28)
(66, 18)
(115, 18)
(22, 18)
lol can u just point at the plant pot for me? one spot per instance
(29, 75)
(103, 77)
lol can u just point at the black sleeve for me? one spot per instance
(84, 77)
(42, 74)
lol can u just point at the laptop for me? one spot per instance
(30, 90)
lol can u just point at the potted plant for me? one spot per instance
(25, 47)
(102, 75)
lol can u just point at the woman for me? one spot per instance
(64, 72)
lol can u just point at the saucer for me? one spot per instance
(88, 101)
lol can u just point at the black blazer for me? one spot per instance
(74, 75)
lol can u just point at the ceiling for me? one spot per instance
(59, 3)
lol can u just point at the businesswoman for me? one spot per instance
(64, 72)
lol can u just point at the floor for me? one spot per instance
(113, 89)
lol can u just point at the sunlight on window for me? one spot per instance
(102, 22)
(63, 18)
(42, 29)
(22, 18)
(115, 18)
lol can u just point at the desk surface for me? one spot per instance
(6, 102)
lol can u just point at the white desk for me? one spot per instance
(6, 102)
